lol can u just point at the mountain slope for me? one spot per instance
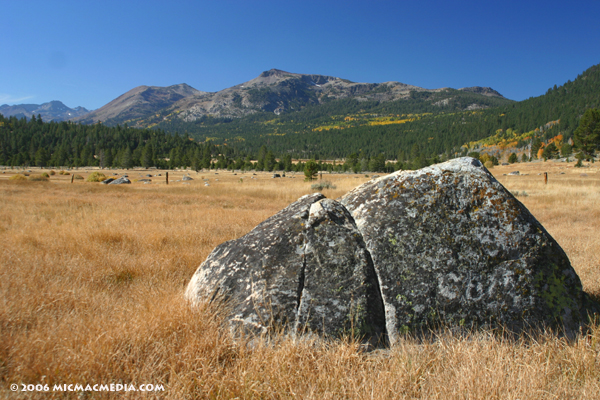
(274, 91)
(51, 111)
(139, 103)
(279, 92)
(425, 122)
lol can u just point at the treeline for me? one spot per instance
(33, 142)
(37, 143)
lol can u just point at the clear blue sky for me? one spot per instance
(86, 53)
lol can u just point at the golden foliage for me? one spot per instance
(540, 152)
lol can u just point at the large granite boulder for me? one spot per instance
(305, 268)
(452, 246)
(446, 245)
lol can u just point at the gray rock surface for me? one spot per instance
(452, 246)
(446, 245)
(340, 291)
(120, 181)
(305, 268)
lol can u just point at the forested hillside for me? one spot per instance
(340, 127)
(33, 142)
(429, 123)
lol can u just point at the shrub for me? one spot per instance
(18, 177)
(322, 185)
(52, 172)
(96, 177)
(45, 175)
(489, 164)
(38, 178)
(78, 177)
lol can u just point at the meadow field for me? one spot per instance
(91, 293)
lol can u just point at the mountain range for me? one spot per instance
(273, 91)
(51, 111)
(308, 115)
(301, 117)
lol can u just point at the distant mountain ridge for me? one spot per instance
(51, 111)
(138, 103)
(274, 91)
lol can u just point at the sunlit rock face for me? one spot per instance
(443, 246)
(452, 246)
(305, 269)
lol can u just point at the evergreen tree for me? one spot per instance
(566, 149)
(146, 157)
(269, 161)
(126, 160)
(377, 164)
(550, 151)
(287, 163)
(197, 160)
(587, 134)
(310, 170)
(206, 157)
(41, 157)
(260, 161)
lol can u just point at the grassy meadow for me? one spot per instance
(92, 277)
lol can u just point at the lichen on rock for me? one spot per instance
(452, 246)
(305, 268)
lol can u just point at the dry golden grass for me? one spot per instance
(92, 276)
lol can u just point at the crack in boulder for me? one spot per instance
(301, 280)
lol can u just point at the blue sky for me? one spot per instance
(86, 53)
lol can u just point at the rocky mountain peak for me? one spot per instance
(486, 91)
(274, 72)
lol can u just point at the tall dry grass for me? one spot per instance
(91, 282)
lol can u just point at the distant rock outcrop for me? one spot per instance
(446, 245)
(120, 181)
